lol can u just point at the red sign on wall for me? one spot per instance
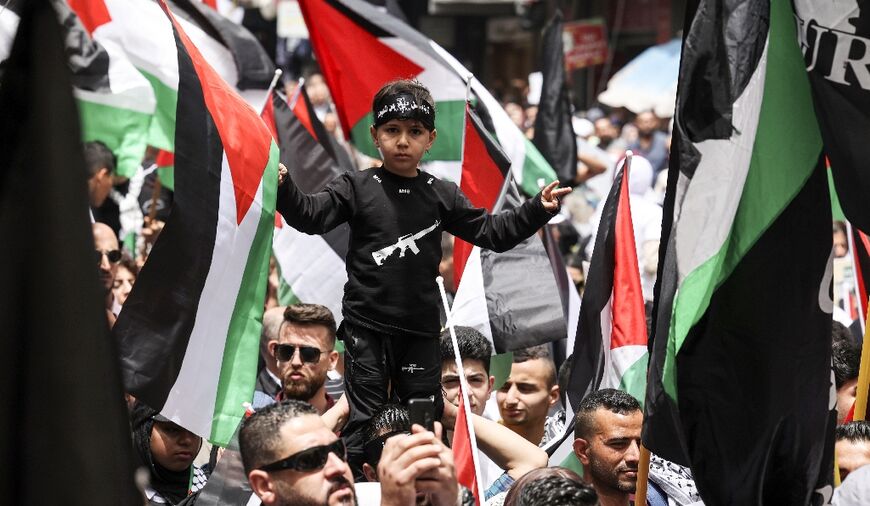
(585, 43)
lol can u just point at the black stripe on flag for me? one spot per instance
(154, 326)
(587, 366)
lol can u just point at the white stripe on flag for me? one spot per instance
(444, 83)
(314, 271)
(620, 360)
(715, 194)
(192, 398)
(469, 305)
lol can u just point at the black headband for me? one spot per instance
(404, 106)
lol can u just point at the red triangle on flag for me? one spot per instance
(354, 61)
(92, 13)
(463, 453)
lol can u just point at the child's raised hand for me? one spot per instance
(551, 196)
(282, 174)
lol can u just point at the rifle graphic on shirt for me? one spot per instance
(403, 244)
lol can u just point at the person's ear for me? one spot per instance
(104, 173)
(271, 347)
(554, 394)
(369, 472)
(374, 132)
(432, 136)
(489, 388)
(261, 484)
(581, 449)
(333, 359)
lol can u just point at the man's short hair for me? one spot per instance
(271, 326)
(847, 357)
(615, 401)
(98, 156)
(856, 432)
(260, 437)
(311, 314)
(542, 351)
(389, 419)
(472, 345)
(556, 490)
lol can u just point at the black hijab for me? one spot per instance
(171, 485)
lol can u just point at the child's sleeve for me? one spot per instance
(497, 232)
(320, 212)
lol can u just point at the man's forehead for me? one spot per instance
(533, 371)
(611, 425)
(305, 431)
(315, 335)
(472, 366)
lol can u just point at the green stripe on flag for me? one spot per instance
(162, 132)
(286, 296)
(784, 156)
(573, 463)
(122, 130)
(167, 177)
(836, 210)
(448, 123)
(241, 352)
(634, 379)
(500, 368)
(535, 167)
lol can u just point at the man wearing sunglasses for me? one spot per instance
(291, 458)
(107, 255)
(305, 353)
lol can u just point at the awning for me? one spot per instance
(647, 82)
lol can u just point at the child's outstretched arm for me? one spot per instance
(502, 231)
(316, 213)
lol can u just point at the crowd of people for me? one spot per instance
(330, 424)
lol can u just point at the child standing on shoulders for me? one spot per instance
(396, 214)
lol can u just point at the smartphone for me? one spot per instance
(422, 412)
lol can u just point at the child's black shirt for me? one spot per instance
(395, 240)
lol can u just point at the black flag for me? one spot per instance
(64, 435)
(554, 135)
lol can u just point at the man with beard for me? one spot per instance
(304, 352)
(292, 458)
(607, 443)
(651, 142)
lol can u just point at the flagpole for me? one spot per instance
(850, 238)
(271, 87)
(291, 100)
(863, 378)
(642, 476)
(463, 390)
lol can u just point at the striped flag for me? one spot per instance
(189, 331)
(312, 267)
(511, 297)
(610, 345)
(740, 383)
(142, 32)
(360, 48)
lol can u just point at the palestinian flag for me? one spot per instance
(511, 297)
(143, 33)
(115, 102)
(312, 267)
(189, 332)
(64, 348)
(740, 368)
(610, 346)
(835, 41)
(554, 132)
(360, 48)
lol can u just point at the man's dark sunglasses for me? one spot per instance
(114, 256)
(285, 352)
(311, 459)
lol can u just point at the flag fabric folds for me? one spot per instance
(312, 267)
(835, 41)
(189, 331)
(554, 133)
(511, 297)
(610, 346)
(74, 447)
(740, 382)
(376, 48)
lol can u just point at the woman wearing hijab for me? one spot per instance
(167, 451)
